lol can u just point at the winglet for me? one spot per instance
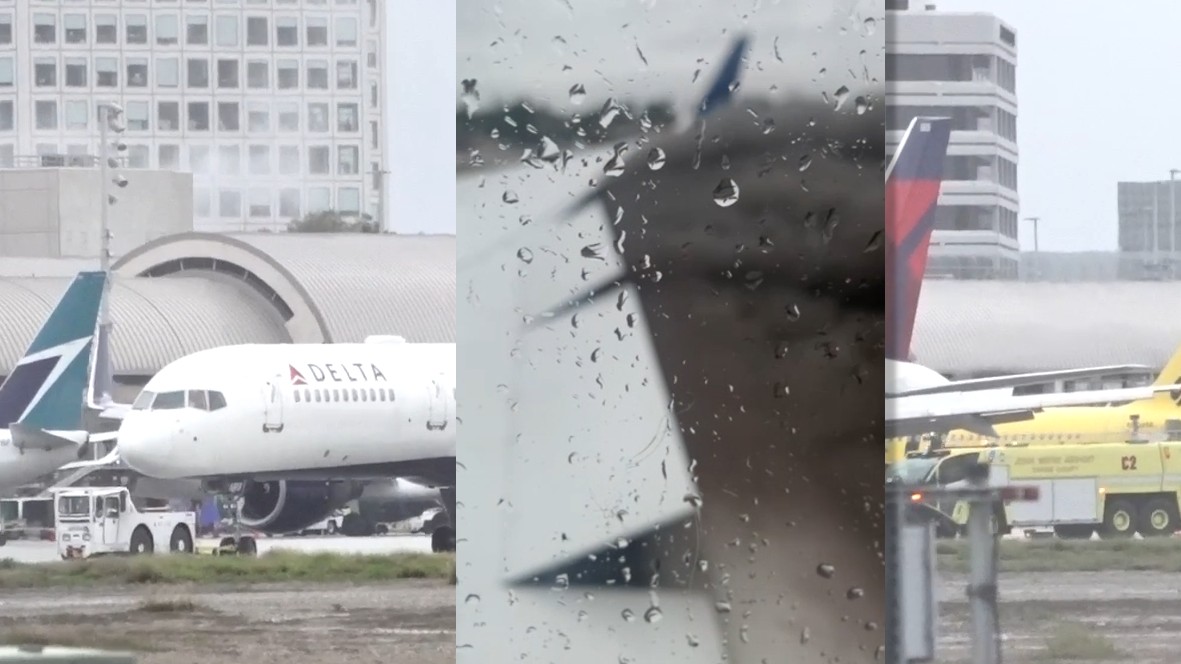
(913, 179)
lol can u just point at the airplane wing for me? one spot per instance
(917, 415)
(1018, 380)
(24, 436)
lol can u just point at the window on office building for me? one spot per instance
(44, 28)
(106, 29)
(45, 72)
(199, 115)
(5, 29)
(319, 161)
(227, 31)
(317, 75)
(137, 116)
(229, 160)
(75, 25)
(348, 159)
(288, 74)
(319, 199)
(260, 159)
(167, 72)
(137, 72)
(346, 75)
(196, 30)
(228, 118)
(7, 115)
(258, 74)
(348, 199)
(198, 73)
(346, 118)
(289, 203)
(229, 203)
(286, 31)
(168, 116)
(167, 29)
(46, 114)
(346, 31)
(257, 31)
(169, 157)
(7, 73)
(139, 156)
(77, 114)
(137, 28)
(317, 31)
(199, 160)
(201, 207)
(258, 117)
(288, 116)
(227, 74)
(318, 117)
(260, 202)
(76, 72)
(106, 72)
(289, 160)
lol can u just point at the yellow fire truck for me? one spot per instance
(1117, 489)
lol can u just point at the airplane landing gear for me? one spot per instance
(443, 539)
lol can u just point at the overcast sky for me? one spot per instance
(541, 48)
(420, 131)
(1094, 108)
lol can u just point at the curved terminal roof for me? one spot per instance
(157, 320)
(988, 327)
(339, 287)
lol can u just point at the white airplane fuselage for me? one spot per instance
(19, 467)
(288, 411)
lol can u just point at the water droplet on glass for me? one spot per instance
(793, 312)
(472, 599)
(470, 96)
(825, 570)
(525, 254)
(628, 615)
(871, 626)
(583, 615)
(693, 499)
(862, 105)
(653, 614)
(805, 635)
(726, 193)
(722, 607)
(614, 166)
(875, 242)
(656, 159)
(855, 593)
(839, 97)
(510, 197)
(692, 640)
(577, 94)
(869, 27)
(805, 162)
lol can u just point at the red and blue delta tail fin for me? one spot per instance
(913, 179)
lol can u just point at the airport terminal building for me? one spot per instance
(189, 291)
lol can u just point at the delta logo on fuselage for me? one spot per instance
(336, 372)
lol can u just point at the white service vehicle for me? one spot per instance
(103, 520)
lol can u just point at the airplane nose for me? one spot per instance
(147, 446)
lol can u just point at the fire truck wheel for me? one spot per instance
(141, 541)
(1158, 518)
(181, 540)
(1119, 519)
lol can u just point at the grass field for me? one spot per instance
(1055, 555)
(272, 567)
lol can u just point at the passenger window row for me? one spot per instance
(335, 394)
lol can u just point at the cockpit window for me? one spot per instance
(169, 401)
(197, 400)
(143, 401)
(216, 400)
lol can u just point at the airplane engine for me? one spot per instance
(285, 506)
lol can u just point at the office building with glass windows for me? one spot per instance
(962, 66)
(275, 106)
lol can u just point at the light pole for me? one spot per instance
(110, 119)
(1034, 220)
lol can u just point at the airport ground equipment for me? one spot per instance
(104, 520)
(1117, 489)
(912, 612)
